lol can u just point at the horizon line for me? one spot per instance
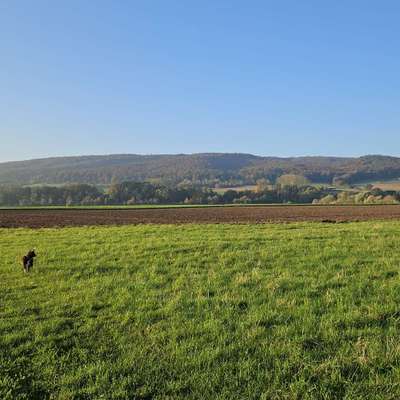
(48, 157)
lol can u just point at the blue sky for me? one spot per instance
(279, 78)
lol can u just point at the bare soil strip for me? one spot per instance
(265, 214)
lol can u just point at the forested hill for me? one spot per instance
(211, 168)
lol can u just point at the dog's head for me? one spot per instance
(31, 254)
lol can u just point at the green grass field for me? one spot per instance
(295, 311)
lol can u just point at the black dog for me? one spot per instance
(27, 260)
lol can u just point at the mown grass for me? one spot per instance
(295, 311)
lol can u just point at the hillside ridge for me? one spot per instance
(198, 168)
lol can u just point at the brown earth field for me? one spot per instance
(260, 214)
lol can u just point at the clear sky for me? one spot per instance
(266, 77)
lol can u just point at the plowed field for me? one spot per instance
(37, 218)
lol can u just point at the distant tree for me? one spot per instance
(329, 199)
(389, 199)
(345, 198)
(262, 185)
(229, 196)
(292, 180)
(69, 201)
(359, 198)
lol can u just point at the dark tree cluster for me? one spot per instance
(129, 193)
(277, 194)
(79, 194)
(125, 193)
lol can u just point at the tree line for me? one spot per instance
(130, 193)
(374, 196)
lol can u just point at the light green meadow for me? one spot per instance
(290, 311)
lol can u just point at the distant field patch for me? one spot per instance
(389, 185)
(253, 188)
(294, 311)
